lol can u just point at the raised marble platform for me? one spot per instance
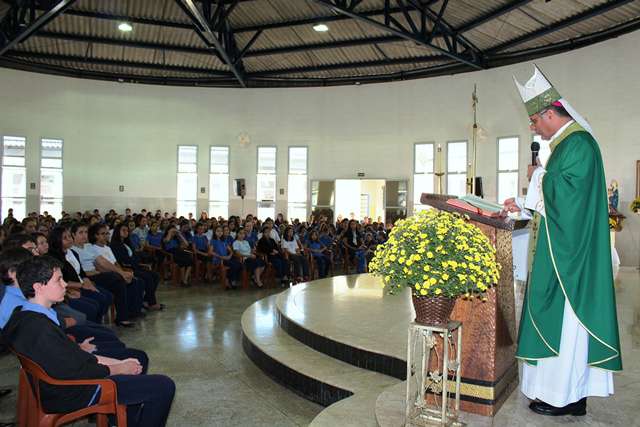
(314, 336)
(312, 374)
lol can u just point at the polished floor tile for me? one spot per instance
(197, 342)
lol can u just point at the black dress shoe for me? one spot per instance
(125, 324)
(575, 408)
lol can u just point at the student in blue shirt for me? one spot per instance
(35, 332)
(251, 235)
(200, 242)
(221, 252)
(175, 243)
(319, 253)
(226, 235)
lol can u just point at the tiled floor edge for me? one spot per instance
(358, 357)
(310, 388)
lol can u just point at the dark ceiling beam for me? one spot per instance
(228, 80)
(20, 64)
(212, 24)
(123, 42)
(119, 63)
(279, 50)
(422, 37)
(207, 51)
(351, 65)
(22, 20)
(588, 14)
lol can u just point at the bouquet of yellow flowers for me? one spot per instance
(437, 254)
(635, 205)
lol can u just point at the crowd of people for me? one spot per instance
(141, 242)
(63, 277)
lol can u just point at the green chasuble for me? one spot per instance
(572, 256)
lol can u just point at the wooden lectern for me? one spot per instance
(489, 367)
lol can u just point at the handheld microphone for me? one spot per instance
(535, 148)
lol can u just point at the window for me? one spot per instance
(219, 182)
(423, 177)
(457, 168)
(187, 189)
(14, 177)
(507, 168)
(297, 185)
(51, 176)
(266, 183)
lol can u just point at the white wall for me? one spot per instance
(127, 134)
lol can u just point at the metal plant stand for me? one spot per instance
(429, 399)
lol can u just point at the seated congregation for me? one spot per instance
(63, 279)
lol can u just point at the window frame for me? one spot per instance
(2, 169)
(275, 175)
(499, 171)
(304, 204)
(228, 174)
(178, 200)
(61, 169)
(417, 204)
(466, 161)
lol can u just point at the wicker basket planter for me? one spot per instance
(433, 310)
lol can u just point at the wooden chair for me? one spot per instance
(201, 269)
(31, 413)
(244, 275)
(269, 274)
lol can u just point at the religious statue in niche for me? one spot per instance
(615, 217)
(613, 193)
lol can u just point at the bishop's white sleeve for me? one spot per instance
(534, 200)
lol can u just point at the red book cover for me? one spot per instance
(469, 207)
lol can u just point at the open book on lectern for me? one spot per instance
(477, 205)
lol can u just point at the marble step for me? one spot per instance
(314, 375)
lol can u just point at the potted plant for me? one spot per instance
(440, 256)
(635, 205)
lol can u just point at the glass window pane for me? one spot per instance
(14, 182)
(457, 184)
(297, 188)
(507, 185)
(13, 161)
(219, 160)
(187, 186)
(51, 183)
(185, 207)
(422, 183)
(19, 206)
(266, 188)
(51, 163)
(266, 210)
(51, 148)
(52, 206)
(13, 146)
(508, 154)
(187, 154)
(424, 158)
(218, 209)
(187, 167)
(298, 160)
(219, 187)
(266, 159)
(297, 210)
(457, 157)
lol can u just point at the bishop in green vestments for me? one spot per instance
(568, 334)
